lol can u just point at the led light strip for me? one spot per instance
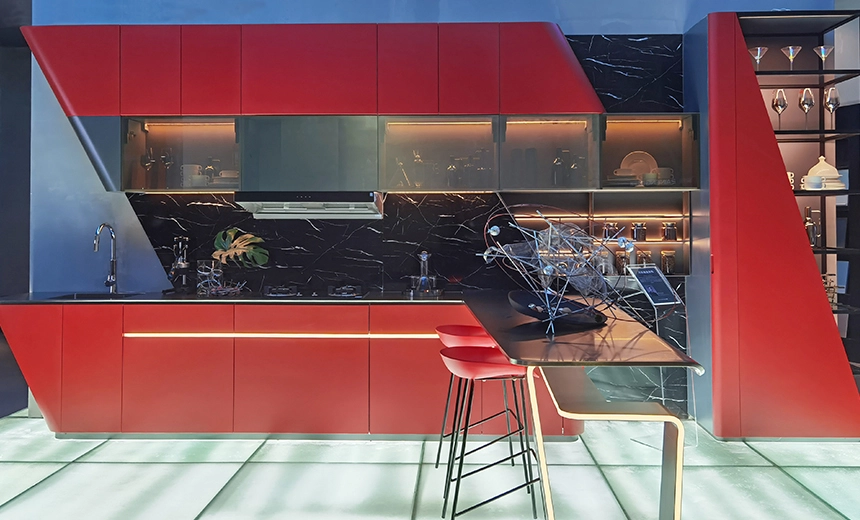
(276, 335)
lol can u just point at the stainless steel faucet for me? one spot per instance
(111, 279)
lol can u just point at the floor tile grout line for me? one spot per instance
(51, 475)
(417, 490)
(787, 474)
(605, 479)
(229, 480)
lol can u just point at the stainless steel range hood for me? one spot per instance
(366, 205)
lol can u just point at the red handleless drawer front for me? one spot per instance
(302, 318)
(211, 69)
(177, 385)
(408, 68)
(92, 368)
(539, 74)
(82, 66)
(418, 318)
(309, 69)
(408, 382)
(301, 386)
(214, 317)
(35, 336)
(469, 68)
(150, 70)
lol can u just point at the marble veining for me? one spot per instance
(633, 73)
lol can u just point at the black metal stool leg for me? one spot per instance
(523, 432)
(471, 386)
(508, 418)
(452, 448)
(529, 450)
(444, 419)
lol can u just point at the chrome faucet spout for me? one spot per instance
(111, 279)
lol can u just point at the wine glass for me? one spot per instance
(823, 51)
(791, 52)
(806, 102)
(779, 104)
(757, 53)
(831, 103)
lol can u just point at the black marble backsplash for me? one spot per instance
(633, 73)
(376, 254)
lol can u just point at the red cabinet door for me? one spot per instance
(150, 70)
(35, 336)
(177, 385)
(469, 68)
(181, 317)
(211, 69)
(408, 62)
(302, 385)
(309, 69)
(92, 368)
(81, 63)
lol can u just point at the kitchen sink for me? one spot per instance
(94, 296)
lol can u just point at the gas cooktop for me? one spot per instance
(296, 292)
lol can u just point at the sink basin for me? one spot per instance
(93, 296)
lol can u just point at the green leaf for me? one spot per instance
(241, 250)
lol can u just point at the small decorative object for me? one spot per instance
(209, 276)
(791, 52)
(757, 54)
(823, 169)
(242, 250)
(790, 179)
(831, 289)
(831, 103)
(823, 51)
(779, 104)
(813, 229)
(806, 102)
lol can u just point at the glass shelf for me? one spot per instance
(804, 78)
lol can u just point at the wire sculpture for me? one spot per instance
(555, 256)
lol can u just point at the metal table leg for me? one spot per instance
(541, 454)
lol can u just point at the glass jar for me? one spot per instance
(667, 262)
(639, 232)
(670, 231)
(643, 257)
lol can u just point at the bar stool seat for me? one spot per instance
(471, 365)
(464, 336)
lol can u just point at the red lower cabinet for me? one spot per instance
(301, 385)
(177, 385)
(92, 368)
(408, 385)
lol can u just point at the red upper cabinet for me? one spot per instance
(539, 74)
(211, 69)
(150, 70)
(309, 69)
(469, 68)
(408, 62)
(81, 64)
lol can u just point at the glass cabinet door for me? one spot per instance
(422, 153)
(309, 153)
(548, 152)
(180, 153)
(650, 150)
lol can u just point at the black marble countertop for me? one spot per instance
(622, 341)
(374, 297)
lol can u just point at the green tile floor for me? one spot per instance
(612, 473)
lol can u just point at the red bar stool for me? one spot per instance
(453, 336)
(472, 364)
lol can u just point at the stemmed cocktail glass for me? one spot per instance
(757, 54)
(791, 52)
(806, 102)
(779, 104)
(823, 51)
(831, 103)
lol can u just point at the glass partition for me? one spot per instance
(180, 153)
(548, 152)
(428, 153)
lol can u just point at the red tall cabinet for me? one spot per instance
(777, 364)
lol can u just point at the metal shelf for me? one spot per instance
(835, 251)
(804, 78)
(825, 193)
(812, 136)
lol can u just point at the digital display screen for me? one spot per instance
(655, 285)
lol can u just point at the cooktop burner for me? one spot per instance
(345, 291)
(282, 291)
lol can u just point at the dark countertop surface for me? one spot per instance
(622, 341)
(373, 297)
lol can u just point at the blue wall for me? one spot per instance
(574, 16)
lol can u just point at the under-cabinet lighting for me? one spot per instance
(178, 123)
(437, 123)
(277, 335)
(547, 122)
(181, 192)
(599, 217)
(457, 192)
(644, 121)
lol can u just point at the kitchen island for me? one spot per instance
(175, 364)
